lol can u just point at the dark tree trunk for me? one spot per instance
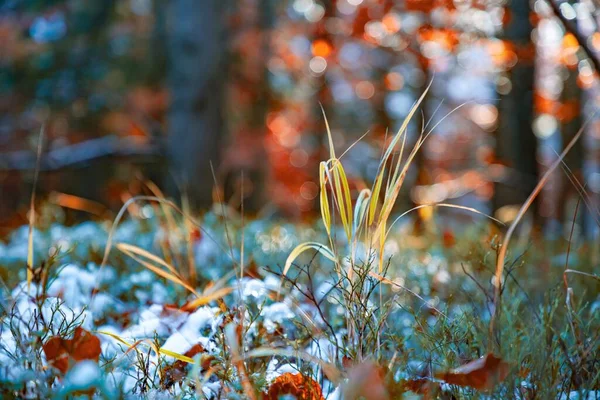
(516, 143)
(197, 67)
(571, 97)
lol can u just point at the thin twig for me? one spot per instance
(79, 154)
(504, 245)
(571, 27)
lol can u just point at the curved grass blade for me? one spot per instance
(160, 350)
(360, 209)
(504, 245)
(329, 369)
(159, 271)
(324, 201)
(470, 209)
(36, 174)
(301, 248)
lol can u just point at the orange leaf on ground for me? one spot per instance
(300, 386)
(481, 374)
(59, 351)
(366, 380)
(423, 386)
(175, 373)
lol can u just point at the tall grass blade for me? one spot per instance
(323, 198)
(504, 245)
(329, 137)
(30, 257)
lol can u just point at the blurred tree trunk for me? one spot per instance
(196, 74)
(571, 101)
(259, 171)
(324, 98)
(247, 155)
(515, 141)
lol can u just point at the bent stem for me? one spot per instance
(504, 245)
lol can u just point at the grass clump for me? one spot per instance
(223, 308)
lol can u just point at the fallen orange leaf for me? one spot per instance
(481, 374)
(300, 386)
(60, 351)
(366, 380)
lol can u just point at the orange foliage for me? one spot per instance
(481, 374)
(570, 42)
(596, 41)
(565, 112)
(391, 22)
(448, 38)
(61, 353)
(321, 48)
(366, 380)
(568, 54)
(362, 17)
(298, 385)
(422, 386)
(394, 81)
(428, 5)
(525, 53)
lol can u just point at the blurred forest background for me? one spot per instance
(131, 90)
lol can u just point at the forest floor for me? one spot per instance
(161, 308)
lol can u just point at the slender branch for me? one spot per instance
(571, 27)
(80, 153)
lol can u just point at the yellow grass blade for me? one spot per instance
(146, 254)
(360, 209)
(189, 246)
(331, 148)
(404, 125)
(166, 221)
(116, 337)
(375, 197)
(388, 199)
(78, 203)
(158, 271)
(30, 259)
(511, 229)
(207, 298)
(353, 144)
(169, 203)
(177, 356)
(381, 235)
(342, 196)
(158, 350)
(173, 227)
(324, 202)
(396, 184)
(301, 248)
(470, 209)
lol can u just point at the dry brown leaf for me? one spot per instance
(178, 370)
(366, 381)
(481, 374)
(423, 386)
(60, 351)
